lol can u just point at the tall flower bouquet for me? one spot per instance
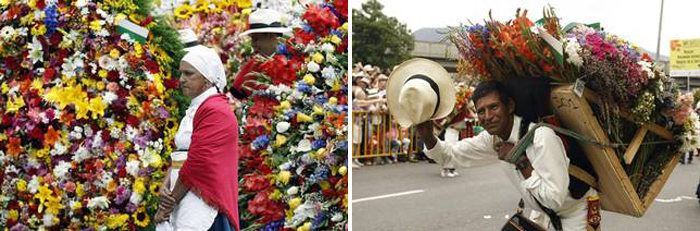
(625, 79)
(293, 164)
(89, 110)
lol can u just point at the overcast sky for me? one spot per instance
(636, 21)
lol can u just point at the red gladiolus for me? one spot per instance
(280, 70)
(303, 37)
(342, 7)
(265, 208)
(320, 19)
(255, 183)
(152, 66)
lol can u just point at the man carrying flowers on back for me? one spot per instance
(264, 30)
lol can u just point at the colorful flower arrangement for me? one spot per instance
(623, 77)
(89, 111)
(293, 162)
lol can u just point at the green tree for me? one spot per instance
(378, 39)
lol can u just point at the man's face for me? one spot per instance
(493, 114)
(381, 84)
(264, 43)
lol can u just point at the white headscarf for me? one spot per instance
(208, 63)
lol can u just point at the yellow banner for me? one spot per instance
(685, 57)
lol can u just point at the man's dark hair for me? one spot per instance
(531, 95)
(488, 87)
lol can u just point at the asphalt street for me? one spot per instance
(413, 196)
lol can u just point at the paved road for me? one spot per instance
(480, 198)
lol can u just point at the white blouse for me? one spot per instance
(192, 213)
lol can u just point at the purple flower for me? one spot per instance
(318, 144)
(123, 194)
(131, 207)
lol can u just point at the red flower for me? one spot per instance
(133, 121)
(265, 208)
(152, 66)
(49, 74)
(40, 4)
(342, 7)
(14, 147)
(320, 19)
(11, 63)
(255, 182)
(263, 106)
(303, 37)
(171, 83)
(280, 70)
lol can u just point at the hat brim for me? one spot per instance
(279, 30)
(430, 69)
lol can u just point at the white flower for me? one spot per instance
(7, 32)
(97, 141)
(61, 169)
(33, 185)
(337, 217)
(81, 154)
(327, 47)
(313, 67)
(293, 190)
(80, 3)
(330, 57)
(131, 132)
(36, 53)
(48, 220)
(304, 145)
(646, 66)
(282, 127)
(58, 149)
(3, 158)
(329, 73)
(106, 179)
(572, 50)
(132, 167)
(98, 202)
(135, 198)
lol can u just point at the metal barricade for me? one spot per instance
(377, 135)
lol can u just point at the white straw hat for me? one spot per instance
(420, 90)
(265, 21)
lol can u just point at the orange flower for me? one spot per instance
(66, 118)
(14, 148)
(51, 137)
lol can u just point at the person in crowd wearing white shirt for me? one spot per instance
(542, 180)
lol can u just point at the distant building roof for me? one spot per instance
(430, 34)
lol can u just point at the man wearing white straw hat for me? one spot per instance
(264, 30)
(421, 90)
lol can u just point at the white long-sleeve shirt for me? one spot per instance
(548, 182)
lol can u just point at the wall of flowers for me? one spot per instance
(90, 105)
(89, 111)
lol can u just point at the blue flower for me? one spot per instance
(318, 144)
(51, 19)
(282, 49)
(341, 145)
(261, 142)
(307, 28)
(344, 90)
(303, 87)
(318, 221)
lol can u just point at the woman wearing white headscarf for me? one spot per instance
(200, 191)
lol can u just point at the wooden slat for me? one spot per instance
(634, 145)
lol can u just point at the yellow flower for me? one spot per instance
(97, 107)
(114, 53)
(54, 205)
(102, 73)
(276, 195)
(294, 203)
(44, 194)
(244, 3)
(343, 170)
(335, 39)
(336, 85)
(141, 218)
(37, 84)
(4, 3)
(5, 88)
(317, 57)
(21, 185)
(284, 176)
(305, 227)
(333, 101)
(201, 6)
(344, 28)
(100, 86)
(284, 105)
(79, 189)
(184, 11)
(12, 215)
(301, 117)
(76, 206)
(247, 11)
(324, 184)
(16, 104)
(317, 110)
(117, 221)
(309, 79)
(138, 49)
(139, 185)
(81, 109)
(345, 201)
(96, 25)
(111, 186)
(280, 140)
